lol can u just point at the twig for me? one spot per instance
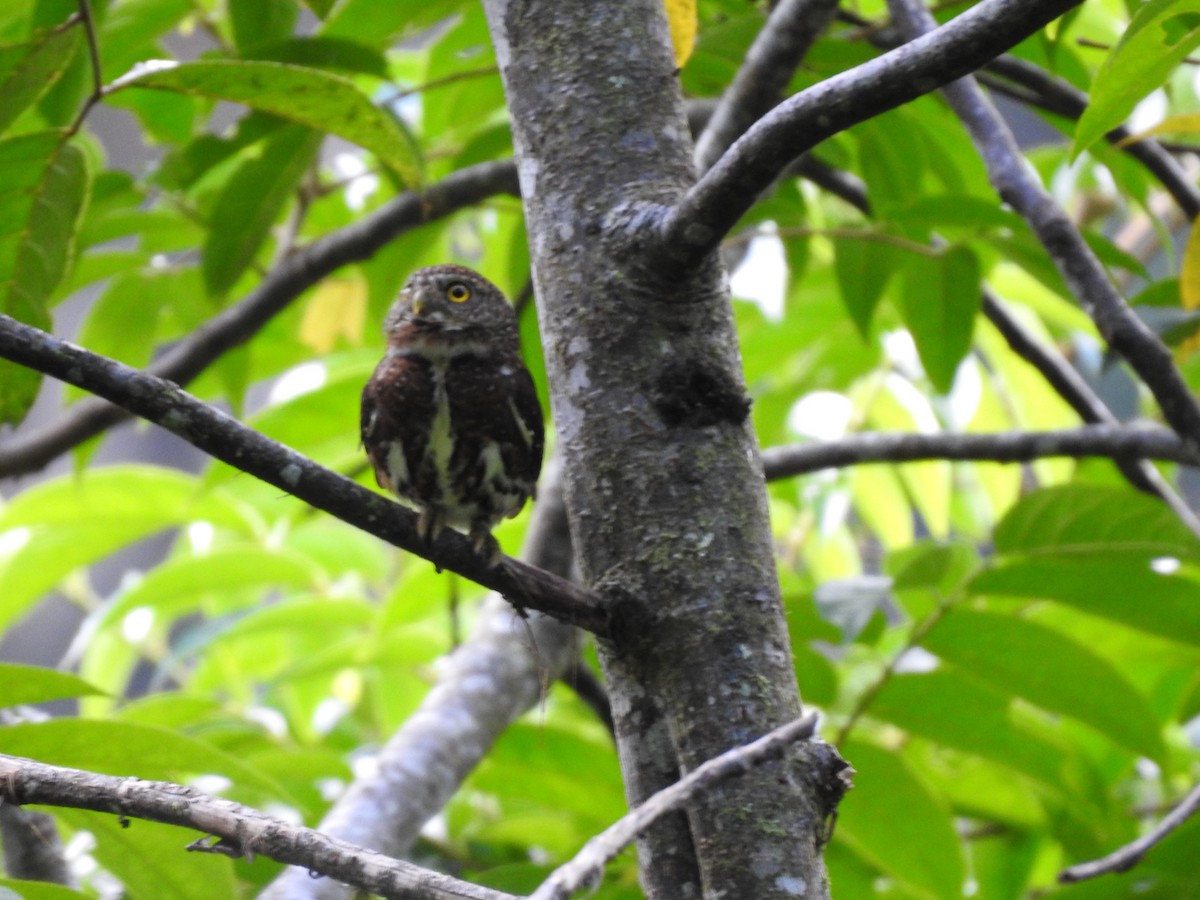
(873, 690)
(435, 83)
(1101, 45)
(1084, 274)
(1113, 441)
(759, 84)
(588, 865)
(1131, 854)
(238, 324)
(242, 831)
(89, 29)
(693, 228)
(223, 437)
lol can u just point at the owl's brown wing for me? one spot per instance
(397, 409)
(493, 401)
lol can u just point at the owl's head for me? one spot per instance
(450, 298)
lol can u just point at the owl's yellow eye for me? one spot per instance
(458, 292)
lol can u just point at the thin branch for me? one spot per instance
(243, 832)
(868, 696)
(497, 674)
(1131, 854)
(444, 81)
(1080, 268)
(586, 869)
(693, 228)
(223, 437)
(235, 326)
(1063, 98)
(1060, 374)
(89, 29)
(790, 31)
(1112, 441)
(1038, 88)
(1071, 386)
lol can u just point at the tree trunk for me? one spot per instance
(663, 483)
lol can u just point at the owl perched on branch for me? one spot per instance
(450, 418)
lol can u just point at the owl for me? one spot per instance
(450, 419)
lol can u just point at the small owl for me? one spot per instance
(450, 419)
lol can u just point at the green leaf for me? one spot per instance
(326, 53)
(130, 30)
(33, 684)
(178, 585)
(19, 889)
(863, 270)
(150, 859)
(931, 705)
(257, 22)
(379, 21)
(56, 527)
(1160, 35)
(923, 852)
(939, 298)
(320, 8)
(1075, 519)
(320, 100)
(893, 159)
(28, 70)
(1050, 670)
(251, 201)
(1125, 590)
(125, 748)
(43, 189)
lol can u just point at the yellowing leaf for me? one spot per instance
(1182, 124)
(681, 14)
(1189, 285)
(337, 309)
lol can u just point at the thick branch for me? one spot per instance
(758, 85)
(587, 867)
(694, 227)
(223, 437)
(1008, 447)
(1125, 858)
(243, 831)
(239, 323)
(1066, 247)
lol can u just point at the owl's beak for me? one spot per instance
(421, 298)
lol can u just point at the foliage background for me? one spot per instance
(1008, 655)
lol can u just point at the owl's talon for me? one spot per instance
(487, 548)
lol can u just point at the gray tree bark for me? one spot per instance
(662, 480)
